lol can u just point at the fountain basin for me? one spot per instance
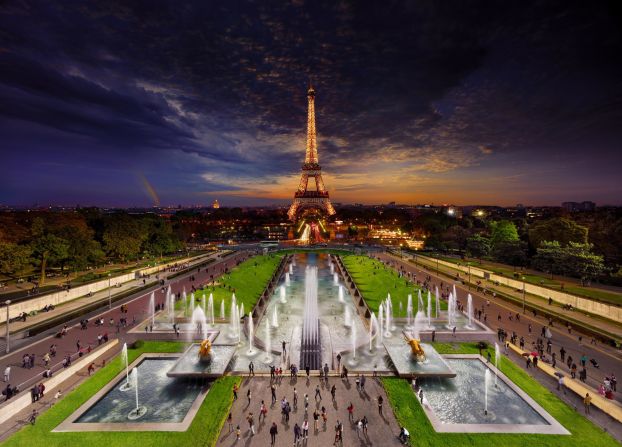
(167, 404)
(456, 405)
(191, 365)
(434, 364)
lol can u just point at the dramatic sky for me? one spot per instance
(145, 102)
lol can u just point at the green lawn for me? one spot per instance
(540, 280)
(203, 431)
(410, 414)
(374, 280)
(248, 281)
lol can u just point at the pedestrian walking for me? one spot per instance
(251, 369)
(362, 383)
(251, 423)
(333, 391)
(262, 411)
(235, 391)
(317, 392)
(273, 432)
(295, 398)
(316, 419)
(33, 417)
(380, 400)
(230, 422)
(350, 412)
(308, 370)
(587, 401)
(305, 429)
(238, 432)
(248, 396)
(7, 374)
(297, 432)
(560, 385)
(306, 402)
(273, 392)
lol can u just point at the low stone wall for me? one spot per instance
(24, 399)
(605, 310)
(62, 296)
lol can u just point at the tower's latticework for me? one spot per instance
(304, 197)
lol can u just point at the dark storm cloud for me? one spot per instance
(209, 96)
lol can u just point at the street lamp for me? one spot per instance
(523, 294)
(109, 292)
(7, 302)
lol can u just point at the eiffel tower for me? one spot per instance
(305, 198)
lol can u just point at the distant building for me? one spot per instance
(575, 207)
(216, 205)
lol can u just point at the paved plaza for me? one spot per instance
(382, 430)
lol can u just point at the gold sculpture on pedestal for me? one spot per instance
(415, 347)
(205, 349)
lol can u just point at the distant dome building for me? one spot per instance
(216, 205)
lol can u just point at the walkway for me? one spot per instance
(382, 429)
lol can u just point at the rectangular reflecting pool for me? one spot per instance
(167, 403)
(457, 404)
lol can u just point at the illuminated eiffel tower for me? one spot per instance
(306, 199)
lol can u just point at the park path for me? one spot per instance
(137, 308)
(609, 362)
(382, 429)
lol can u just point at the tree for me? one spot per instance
(161, 239)
(582, 263)
(478, 246)
(549, 258)
(46, 247)
(502, 232)
(455, 238)
(510, 252)
(123, 236)
(558, 229)
(14, 258)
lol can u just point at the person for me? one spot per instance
(350, 412)
(251, 423)
(404, 435)
(433, 335)
(362, 382)
(273, 432)
(338, 433)
(305, 429)
(365, 424)
(91, 368)
(296, 433)
(238, 432)
(58, 395)
(307, 370)
(295, 398)
(338, 361)
(587, 400)
(324, 416)
(230, 422)
(560, 385)
(273, 392)
(283, 343)
(317, 392)
(333, 391)
(421, 395)
(262, 411)
(306, 402)
(7, 374)
(562, 354)
(359, 428)
(325, 371)
(380, 400)
(235, 391)
(248, 396)
(316, 419)
(251, 369)
(358, 382)
(33, 417)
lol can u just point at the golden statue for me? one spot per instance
(205, 349)
(415, 347)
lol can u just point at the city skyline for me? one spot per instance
(118, 105)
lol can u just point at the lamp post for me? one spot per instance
(523, 294)
(109, 292)
(7, 302)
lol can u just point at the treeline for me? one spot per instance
(76, 240)
(587, 247)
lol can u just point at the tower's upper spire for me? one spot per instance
(311, 155)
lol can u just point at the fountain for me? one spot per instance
(282, 294)
(233, 320)
(420, 307)
(199, 322)
(210, 308)
(387, 315)
(241, 315)
(291, 269)
(310, 350)
(170, 303)
(335, 279)
(204, 305)
(380, 326)
(486, 382)
(419, 317)
(429, 310)
(340, 293)
(268, 343)
(126, 386)
(451, 311)
(353, 338)
(251, 333)
(438, 303)
(222, 308)
(372, 322)
(497, 359)
(139, 411)
(287, 281)
(152, 308)
(470, 310)
(409, 311)
(275, 317)
(347, 318)
(332, 268)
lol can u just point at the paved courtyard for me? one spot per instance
(382, 429)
